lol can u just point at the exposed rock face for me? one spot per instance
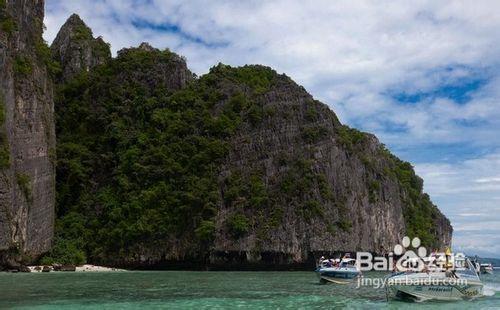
(27, 173)
(77, 50)
(238, 166)
(167, 75)
(295, 182)
(329, 188)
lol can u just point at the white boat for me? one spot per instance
(486, 268)
(337, 270)
(460, 283)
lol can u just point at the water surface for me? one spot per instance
(204, 290)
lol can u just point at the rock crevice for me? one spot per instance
(27, 174)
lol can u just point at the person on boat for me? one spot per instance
(329, 263)
(426, 268)
(322, 258)
(448, 262)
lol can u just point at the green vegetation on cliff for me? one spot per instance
(22, 65)
(140, 159)
(7, 23)
(24, 183)
(45, 56)
(419, 212)
(137, 161)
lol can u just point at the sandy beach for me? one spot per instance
(82, 268)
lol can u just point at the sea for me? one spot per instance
(209, 290)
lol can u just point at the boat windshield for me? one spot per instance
(464, 266)
(348, 263)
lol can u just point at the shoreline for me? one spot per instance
(82, 268)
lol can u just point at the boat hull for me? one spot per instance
(437, 290)
(486, 271)
(337, 275)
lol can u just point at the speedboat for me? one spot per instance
(337, 270)
(486, 268)
(461, 282)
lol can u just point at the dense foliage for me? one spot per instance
(22, 65)
(45, 56)
(137, 161)
(82, 33)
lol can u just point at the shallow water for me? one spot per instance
(190, 289)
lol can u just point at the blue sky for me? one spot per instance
(424, 76)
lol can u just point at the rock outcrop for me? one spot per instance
(240, 167)
(156, 73)
(77, 50)
(27, 168)
(328, 188)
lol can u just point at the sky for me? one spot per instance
(424, 76)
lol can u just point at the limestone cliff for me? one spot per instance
(328, 188)
(76, 49)
(157, 167)
(27, 172)
(242, 165)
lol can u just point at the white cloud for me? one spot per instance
(470, 177)
(352, 55)
(477, 243)
(488, 180)
(468, 195)
(473, 214)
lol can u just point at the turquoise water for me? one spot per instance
(203, 290)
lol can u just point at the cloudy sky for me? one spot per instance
(424, 76)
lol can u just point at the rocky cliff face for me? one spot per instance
(239, 166)
(77, 50)
(325, 188)
(156, 74)
(158, 167)
(27, 171)
(318, 187)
